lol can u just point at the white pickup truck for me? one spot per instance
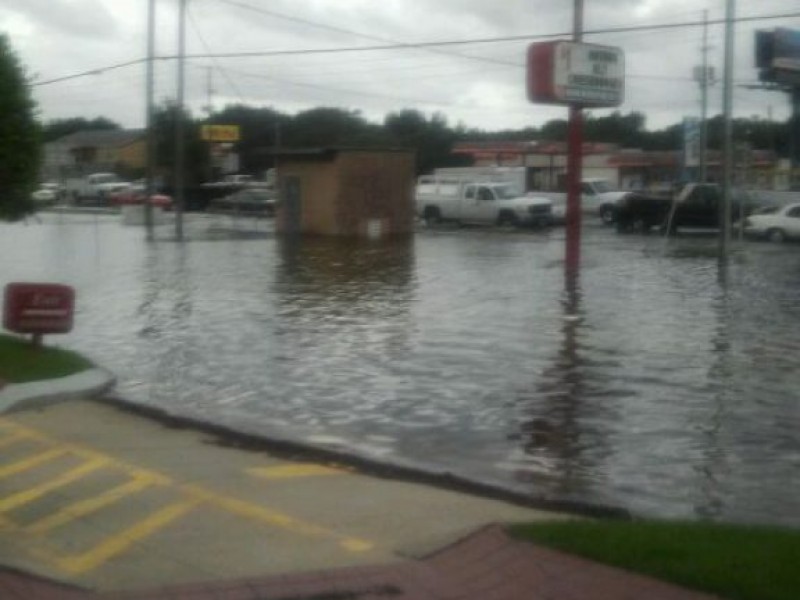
(96, 188)
(484, 202)
(597, 197)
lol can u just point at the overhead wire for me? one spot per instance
(215, 61)
(350, 32)
(432, 44)
(444, 43)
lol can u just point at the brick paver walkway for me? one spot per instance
(487, 565)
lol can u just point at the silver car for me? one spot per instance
(775, 224)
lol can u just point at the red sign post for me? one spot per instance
(38, 308)
(576, 75)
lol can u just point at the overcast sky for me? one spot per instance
(480, 84)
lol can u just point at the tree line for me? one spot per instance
(264, 129)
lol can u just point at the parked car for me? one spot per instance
(697, 205)
(446, 199)
(94, 189)
(776, 224)
(135, 194)
(48, 193)
(253, 200)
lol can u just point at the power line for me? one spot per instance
(352, 49)
(527, 37)
(219, 68)
(351, 32)
(98, 71)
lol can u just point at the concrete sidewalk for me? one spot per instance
(97, 503)
(95, 496)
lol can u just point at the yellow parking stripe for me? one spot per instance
(40, 490)
(30, 462)
(275, 518)
(141, 478)
(117, 544)
(85, 507)
(291, 471)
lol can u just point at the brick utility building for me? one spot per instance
(346, 192)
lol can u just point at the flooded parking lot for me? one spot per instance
(661, 383)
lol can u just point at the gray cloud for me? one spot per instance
(74, 18)
(488, 95)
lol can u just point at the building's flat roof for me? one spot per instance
(101, 137)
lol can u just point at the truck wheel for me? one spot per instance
(607, 215)
(776, 236)
(432, 215)
(507, 218)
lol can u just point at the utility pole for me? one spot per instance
(794, 136)
(727, 110)
(180, 126)
(149, 188)
(277, 179)
(209, 91)
(704, 83)
(574, 164)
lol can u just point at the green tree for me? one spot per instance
(431, 138)
(326, 126)
(197, 159)
(20, 138)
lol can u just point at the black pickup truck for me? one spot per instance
(697, 205)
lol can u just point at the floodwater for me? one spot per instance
(660, 383)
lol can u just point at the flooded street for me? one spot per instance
(662, 384)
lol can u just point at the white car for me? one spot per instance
(775, 224)
(48, 193)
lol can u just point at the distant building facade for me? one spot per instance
(122, 151)
(546, 164)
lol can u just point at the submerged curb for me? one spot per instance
(296, 450)
(21, 396)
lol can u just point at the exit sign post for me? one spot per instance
(38, 308)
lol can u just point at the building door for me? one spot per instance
(292, 202)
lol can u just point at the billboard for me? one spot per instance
(220, 133)
(778, 55)
(565, 72)
(691, 142)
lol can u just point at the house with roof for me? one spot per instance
(121, 151)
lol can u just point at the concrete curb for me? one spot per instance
(290, 449)
(22, 396)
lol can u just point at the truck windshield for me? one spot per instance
(506, 192)
(110, 178)
(601, 187)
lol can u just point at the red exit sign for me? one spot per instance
(38, 308)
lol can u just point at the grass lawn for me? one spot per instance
(735, 562)
(20, 362)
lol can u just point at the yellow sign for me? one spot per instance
(220, 133)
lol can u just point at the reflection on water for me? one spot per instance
(656, 381)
